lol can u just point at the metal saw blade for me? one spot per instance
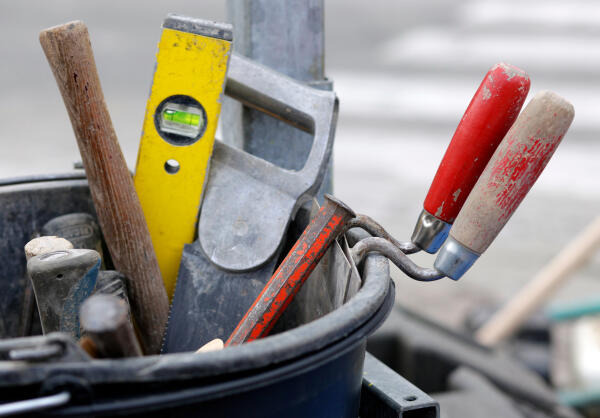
(209, 302)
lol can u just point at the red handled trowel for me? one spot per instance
(492, 111)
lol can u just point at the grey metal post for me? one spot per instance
(287, 36)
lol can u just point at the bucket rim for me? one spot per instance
(267, 352)
(194, 394)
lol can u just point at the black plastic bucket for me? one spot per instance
(314, 370)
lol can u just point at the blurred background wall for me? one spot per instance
(405, 71)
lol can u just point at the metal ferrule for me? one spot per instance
(455, 259)
(430, 232)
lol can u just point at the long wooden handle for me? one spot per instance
(515, 166)
(69, 53)
(508, 319)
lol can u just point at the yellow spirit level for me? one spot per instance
(179, 133)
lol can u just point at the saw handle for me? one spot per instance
(492, 111)
(510, 174)
(69, 53)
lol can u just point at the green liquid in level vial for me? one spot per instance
(182, 120)
(181, 117)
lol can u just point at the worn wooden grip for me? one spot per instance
(492, 111)
(105, 319)
(515, 166)
(69, 53)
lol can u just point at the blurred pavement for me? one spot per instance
(404, 72)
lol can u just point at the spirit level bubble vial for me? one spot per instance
(179, 133)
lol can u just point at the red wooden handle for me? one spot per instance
(69, 53)
(492, 111)
(514, 167)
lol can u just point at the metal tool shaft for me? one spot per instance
(396, 256)
(372, 227)
(293, 271)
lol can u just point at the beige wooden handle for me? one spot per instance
(69, 53)
(515, 166)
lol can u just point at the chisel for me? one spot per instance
(62, 280)
(332, 220)
(513, 169)
(301, 260)
(69, 53)
(493, 109)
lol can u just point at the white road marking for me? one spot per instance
(442, 99)
(440, 47)
(412, 157)
(558, 14)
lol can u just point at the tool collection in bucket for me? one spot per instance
(196, 235)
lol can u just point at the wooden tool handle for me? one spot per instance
(105, 319)
(537, 292)
(492, 111)
(515, 166)
(69, 53)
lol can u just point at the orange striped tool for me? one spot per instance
(324, 228)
